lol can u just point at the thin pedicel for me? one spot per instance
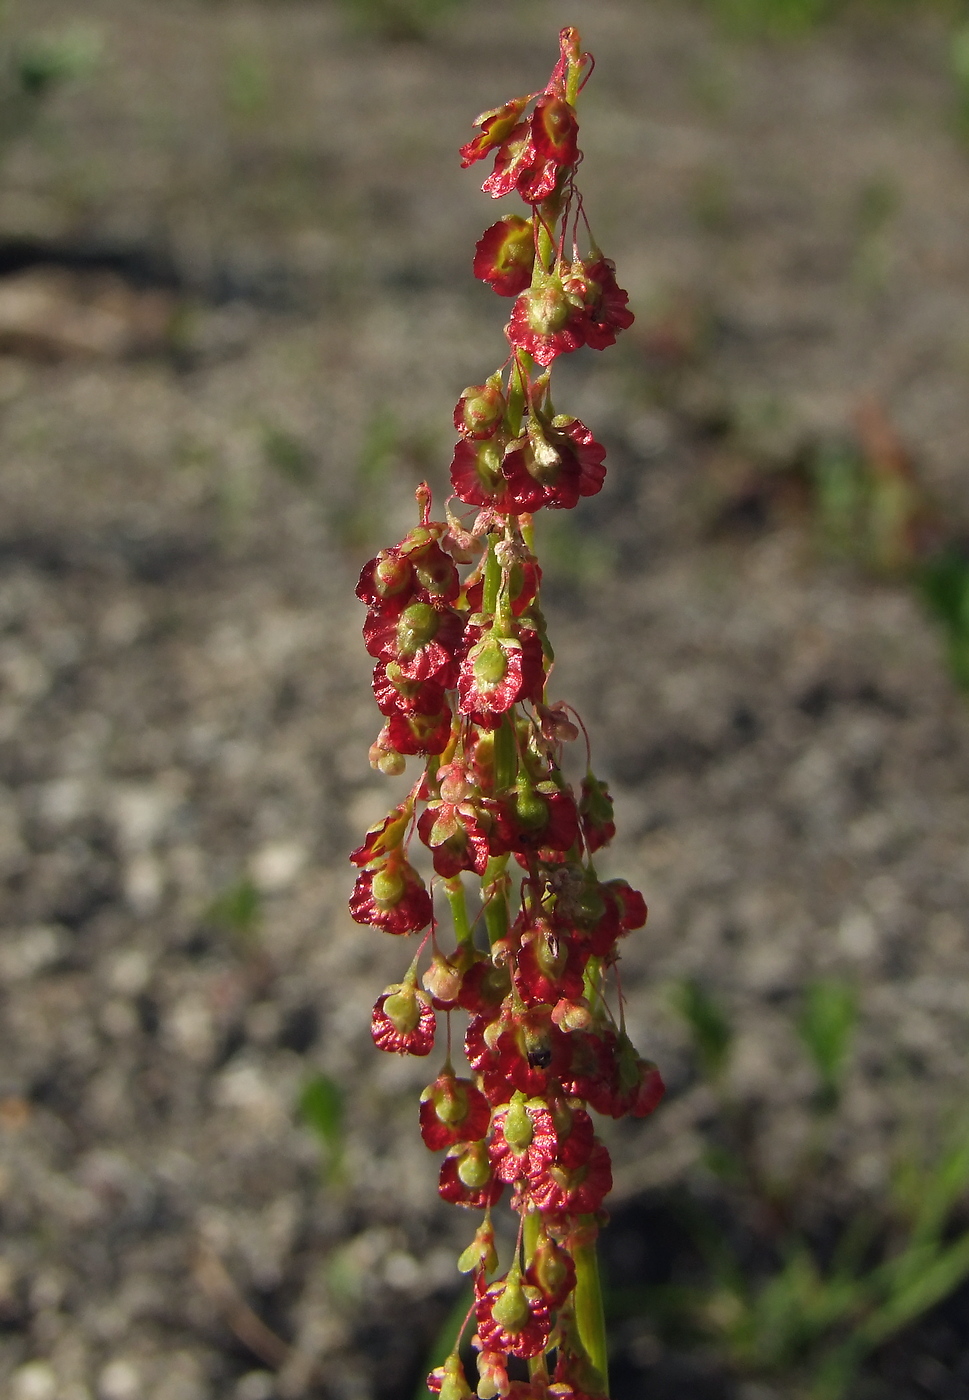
(462, 663)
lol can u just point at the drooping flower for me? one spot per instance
(392, 897)
(479, 411)
(452, 1110)
(466, 1177)
(545, 321)
(512, 1317)
(555, 464)
(422, 639)
(403, 1021)
(578, 1190)
(504, 255)
(496, 125)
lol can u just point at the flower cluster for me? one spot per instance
(456, 630)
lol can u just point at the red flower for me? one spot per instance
(576, 1191)
(605, 304)
(596, 814)
(417, 733)
(386, 580)
(477, 477)
(450, 1380)
(396, 694)
(479, 411)
(542, 818)
(552, 1271)
(577, 1141)
(496, 125)
(545, 321)
(536, 153)
(483, 988)
(452, 1110)
(556, 464)
(422, 639)
(554, 139)
(462, 836)
(505, 255)
(513, 1318)
(514, 161)
(498, 671)
(533, 1141)
(384, 837)
(418, 569)
(403, 1021)
(630, 905)
(466, 1178)
(548, 966)
(522, 1050)
(393, 897)
(613, 1079)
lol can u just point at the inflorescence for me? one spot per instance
(462, 664)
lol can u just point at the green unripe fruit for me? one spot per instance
(511, 1311)
(490, 664)
(452, 1106)
(403, 1011)
(531, 811)
(474, 1169)
(417, 626)
(518, 1126)
(388, 887)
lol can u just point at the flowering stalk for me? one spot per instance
(462, 664)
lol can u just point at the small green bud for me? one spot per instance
(454, 1386)
(481, 1252)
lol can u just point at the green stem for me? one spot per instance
(496, 907)
(492, 579)
(506, 755)
(459, 909)
(531, 1234)
(590, 1315)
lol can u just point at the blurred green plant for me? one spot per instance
(34, 65)
(321, 1109)
(772, 17)
(287, 454)
(238, 910)
(811, 1316)
(826, 1025)
(868, 503)
(710, 1030)
(787, 18)
(575, 556)
(359, 521)
(944, 584)
(398, 20)
(879, 200)
(248, 83)
(959, 65)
